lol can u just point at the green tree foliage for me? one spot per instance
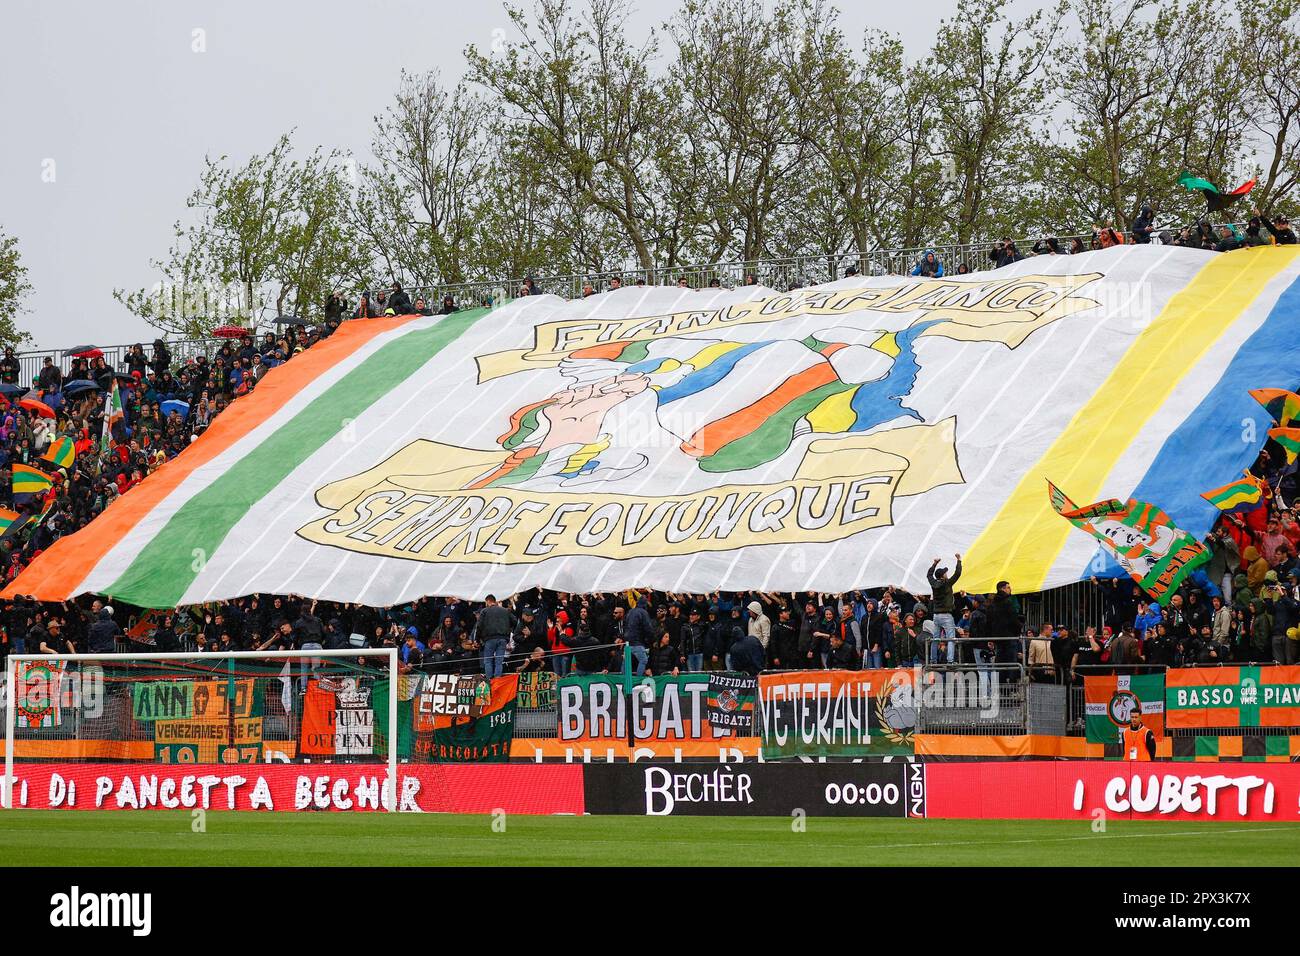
(14, 290)
(585, 141)
(270, 236)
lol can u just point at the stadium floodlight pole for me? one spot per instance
(11, 670)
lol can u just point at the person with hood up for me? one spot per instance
(929, 266)
(559, 637)
(1144, 225)
(1256, 567)
(103, 633)
(760, 625)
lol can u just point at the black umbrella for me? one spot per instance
(79, 385)
(12, 391)
(126, 379)
(88, 351)
(289, 320)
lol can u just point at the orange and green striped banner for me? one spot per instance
(1251, 696)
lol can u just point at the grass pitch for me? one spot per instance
(166, 838)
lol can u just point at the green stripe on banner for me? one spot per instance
(1207, 746)
(166, 567)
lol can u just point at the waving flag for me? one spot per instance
(11, 522)
(1145, 541)
(1289, 439)
(61, 453)
(1238, 497)
(112, 415)
(823, 439)
(1284, 406)
(30, 481)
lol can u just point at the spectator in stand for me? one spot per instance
(10, 368)
(615, 284)
(365, 310)
(50, 378)
(1004, 253)
(336, 307)
(747, 655)
(1144, 225)
(495, 624)
(929, 266)
(760, 625)
(945, 627)
(639, 635)
(1107, 236)
(448, 305)
(399, 301)
(1279, 229)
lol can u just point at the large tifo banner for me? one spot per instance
(1232, 697)
(695, 440)
(837, 713)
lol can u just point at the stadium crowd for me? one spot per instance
(1244, 606)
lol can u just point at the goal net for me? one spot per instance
(122, 730)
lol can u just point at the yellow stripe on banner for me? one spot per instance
(1022, 543)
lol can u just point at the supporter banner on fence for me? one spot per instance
(38, 685)
(1109, 702)
(451, 695)
(1232, 697)
(837, 713)
(695, 440)
(664, 708)
(484, 734)
(731, 702)
(759, 790)
(537, 690)
(338, 717)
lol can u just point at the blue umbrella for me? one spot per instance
(79, 385)
(12, 391)
(175, 405)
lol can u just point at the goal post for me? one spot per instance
(232, 707)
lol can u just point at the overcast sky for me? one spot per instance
(108, 111)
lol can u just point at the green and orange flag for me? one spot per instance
(61, 453)
(1283, 406)
(1289, 439)
(1245, 494)
(1142, 538)
(30, 481)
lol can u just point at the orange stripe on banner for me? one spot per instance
(516, 459)
(1020, 745)
(610, 351)
(714, 435)
(60, 570)
(83, 750)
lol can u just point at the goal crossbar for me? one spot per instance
(11, 699)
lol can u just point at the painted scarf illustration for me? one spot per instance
(733, 405)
